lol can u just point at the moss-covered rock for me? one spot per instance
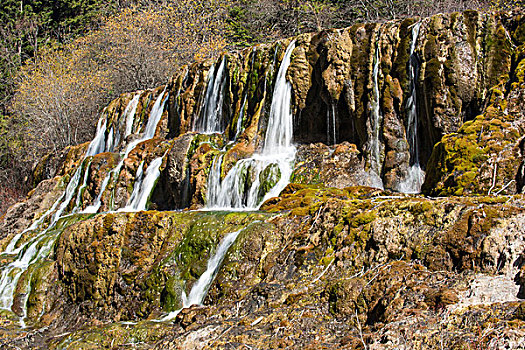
(117, 271)
(327, 264)
(484, 156)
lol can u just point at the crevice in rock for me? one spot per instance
(471, 109)
(312, 124)
(348, 126)
(427, 126)
(513, 78)
(174, 117)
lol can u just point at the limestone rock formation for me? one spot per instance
(117, 245)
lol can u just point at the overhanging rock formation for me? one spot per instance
(348, 122)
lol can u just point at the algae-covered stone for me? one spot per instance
(334, 167)
(327, 264)
(485, 149)
(120, 266)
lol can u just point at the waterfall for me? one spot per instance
(78, 201)
(154, 117)
(214, 180)
(98, 144)
(129, 113)
(40, 245)
(242, 112)
(415, 176)
(244, 185)
(200, 288)
(110, 143)
(374, 154)
(330, 125)
(279, 132)
(149, 132)
(251, 181)
(144, 184)
(210, 120)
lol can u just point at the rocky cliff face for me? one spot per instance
(104, 253)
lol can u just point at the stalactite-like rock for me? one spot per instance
(104, 247)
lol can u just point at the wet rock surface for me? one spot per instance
(332, 262)
(337, 268)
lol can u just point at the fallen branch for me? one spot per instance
(324, 271)
(220, 335)
(359, 329)
(493, 178)
(503, 189)
(316, 217)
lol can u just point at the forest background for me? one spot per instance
(62, 61)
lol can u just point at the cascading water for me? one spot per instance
(279, 132)
(200, 288)
(374, 145)
(98, 144)
(154, 118)
(40, 245)
(143, 186)
(210, 120)
(214, 180)
(81, 189)
(129, 112)
(415, 176)
(149, 132)
(251, 181)
(110, 143)
(238, 129)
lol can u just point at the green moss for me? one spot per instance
(432, 71)
(268, 179)
(171, 294)
(214, 140)
(113, 335)
(306, 173)
(500, 53)
(362, 219)
(400, 64)
(39, 287)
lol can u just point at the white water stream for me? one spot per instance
(415, 176)
(245, 185)
(238, 129)
(210, 120)
(129, 113)
(200, 288)
(143, 186)
(331, 131)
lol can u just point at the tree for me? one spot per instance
(61, 91)
(28, 27)
(267, 20)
